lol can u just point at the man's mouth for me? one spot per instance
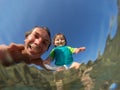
(34, 47)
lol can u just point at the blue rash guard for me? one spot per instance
(62, 55)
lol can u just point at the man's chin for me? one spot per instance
(34, 54)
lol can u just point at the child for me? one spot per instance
(62, 54)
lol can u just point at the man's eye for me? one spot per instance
(46, 43)
(36, 36)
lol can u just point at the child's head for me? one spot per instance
(59, 40)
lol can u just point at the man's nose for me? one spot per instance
(39, 41)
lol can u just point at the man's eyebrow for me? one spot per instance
(37, 33)
(43, 37)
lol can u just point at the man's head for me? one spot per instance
(37, 41)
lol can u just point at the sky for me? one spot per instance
(84, 22)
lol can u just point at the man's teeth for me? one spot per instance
(33, 46)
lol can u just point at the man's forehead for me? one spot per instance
(42, 33)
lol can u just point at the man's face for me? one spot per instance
(37, 42)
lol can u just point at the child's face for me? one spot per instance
(59, 40)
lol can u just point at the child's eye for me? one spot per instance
(57, 39)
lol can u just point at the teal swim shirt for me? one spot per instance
(62, 55)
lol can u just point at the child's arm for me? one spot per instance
(47, 65)
(50, 58)
(77, 50)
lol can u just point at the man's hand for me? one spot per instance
(15, 47)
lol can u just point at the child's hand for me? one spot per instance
(46, 62)
(77, 50)
(82, 48)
